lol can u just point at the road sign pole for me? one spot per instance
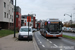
(28, 20)
(15, 20)
(28, 29)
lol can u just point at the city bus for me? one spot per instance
(51, 28)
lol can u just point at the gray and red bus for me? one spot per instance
(51, 28)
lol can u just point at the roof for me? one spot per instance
(25, 16)
(54, 20)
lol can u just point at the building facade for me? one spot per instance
(25, 23)
(18, 17)
(6, 14)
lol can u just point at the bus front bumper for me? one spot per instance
(60, 35)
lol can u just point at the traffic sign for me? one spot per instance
(28, 18)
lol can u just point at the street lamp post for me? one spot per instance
(15, 20)
(71, 18)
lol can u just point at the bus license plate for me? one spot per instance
(54, 35)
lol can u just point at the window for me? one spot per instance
(12, 20)
(25, 20)
(25, 30)
(4, 4)
(23, 17)
(12, 9)
(9, 11)
(5, 14)
(11, 1)
(12, 24)
(31, 20)
(22, 21)
(10, 16)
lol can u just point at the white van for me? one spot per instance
(23, 32)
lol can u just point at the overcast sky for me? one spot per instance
(45, 9)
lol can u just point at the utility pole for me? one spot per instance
(71, 18)
(15, 20)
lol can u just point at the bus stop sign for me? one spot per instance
(28, 18)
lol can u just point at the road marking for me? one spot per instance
(55, 45)
(50, 42)
(43, 46)
(60, 49)
(40, 42)
(47, 40)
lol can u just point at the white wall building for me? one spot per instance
(24, 21)
(6, 13)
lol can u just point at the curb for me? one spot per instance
(35, 44)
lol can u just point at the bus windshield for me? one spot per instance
(55, 27)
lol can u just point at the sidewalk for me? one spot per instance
(10, 43)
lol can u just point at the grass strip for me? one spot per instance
(5, 32)
(66, 36)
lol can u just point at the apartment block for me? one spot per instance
(25, 23)
(6, 14)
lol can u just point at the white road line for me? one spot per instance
(50, 42)
(60, 49)
(55, 45)
(40, 42)
(43, 46)
(47, 40)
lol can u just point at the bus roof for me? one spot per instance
(54, 20)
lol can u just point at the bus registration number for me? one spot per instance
(54, 35)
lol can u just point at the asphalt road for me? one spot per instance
(54, 43)
(69, 34)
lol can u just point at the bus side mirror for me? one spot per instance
(62, 25)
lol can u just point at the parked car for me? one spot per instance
(23, 33)
(73, 29)
(34, 30)
(63, 28)
(68, 28)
